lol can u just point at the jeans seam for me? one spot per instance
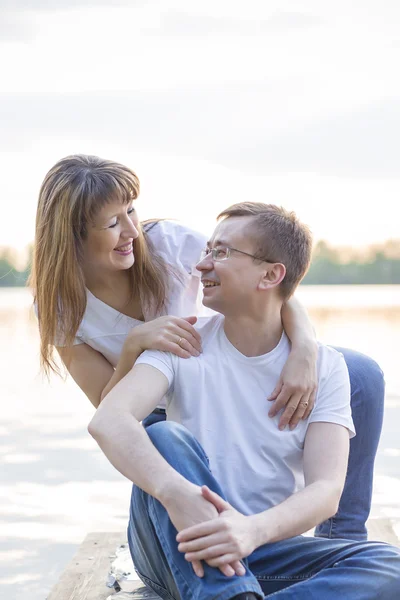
(156, 587)
(171, 562)
(296, 578)
(331, 528)
(291, 587)
(238, 588)
(148, 581)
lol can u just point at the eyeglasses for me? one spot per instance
(223, 252)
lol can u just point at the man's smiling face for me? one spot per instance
(229, 284)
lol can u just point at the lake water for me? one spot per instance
(56, 484)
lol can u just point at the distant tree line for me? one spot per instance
(377, 265)
(380, 265)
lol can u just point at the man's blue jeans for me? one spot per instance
(299, 568)
(367, 398)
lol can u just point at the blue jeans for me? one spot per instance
(299, 568)
(367, 398)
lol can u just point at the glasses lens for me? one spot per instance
(220, 253)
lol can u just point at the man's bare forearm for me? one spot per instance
(326, 450)
(299, 513)
(128, 447)
(116, 428)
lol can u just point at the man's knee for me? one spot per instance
(165, 434)
(365, 366)
(165, 431)
(370, 374)
(174, 441)
(366, 376)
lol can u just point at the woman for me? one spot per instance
(105, 288)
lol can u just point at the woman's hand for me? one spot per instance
(170, 334)
(296, 389)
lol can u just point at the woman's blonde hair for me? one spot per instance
(71, 195)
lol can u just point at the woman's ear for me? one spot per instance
(272, 276)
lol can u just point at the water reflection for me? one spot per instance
(57, 486)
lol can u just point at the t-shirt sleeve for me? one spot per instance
(60, 340)
(181, 244)
(333, 398)
(162, 361)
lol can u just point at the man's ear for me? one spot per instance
(272, 276)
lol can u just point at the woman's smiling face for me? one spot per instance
(110, 238)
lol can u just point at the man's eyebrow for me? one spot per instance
(217, 243)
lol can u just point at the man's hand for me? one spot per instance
(219, 541)
(191, 508)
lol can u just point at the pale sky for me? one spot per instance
(212, 102)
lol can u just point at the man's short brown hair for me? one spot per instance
(279, 236)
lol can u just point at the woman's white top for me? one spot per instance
(105, 329)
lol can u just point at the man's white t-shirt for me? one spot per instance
(221, 398)
(105, 329)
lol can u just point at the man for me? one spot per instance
(219, 472)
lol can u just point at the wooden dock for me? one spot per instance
(85, 577)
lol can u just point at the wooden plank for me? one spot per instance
(86, 575)
(381, 530)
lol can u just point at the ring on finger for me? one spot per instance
(305, 404)
(179, 341)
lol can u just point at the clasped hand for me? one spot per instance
(222, 541)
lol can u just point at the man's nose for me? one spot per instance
(205, 264)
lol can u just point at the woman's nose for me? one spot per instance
(130, 231)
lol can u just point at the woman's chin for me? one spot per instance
(124, 262)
